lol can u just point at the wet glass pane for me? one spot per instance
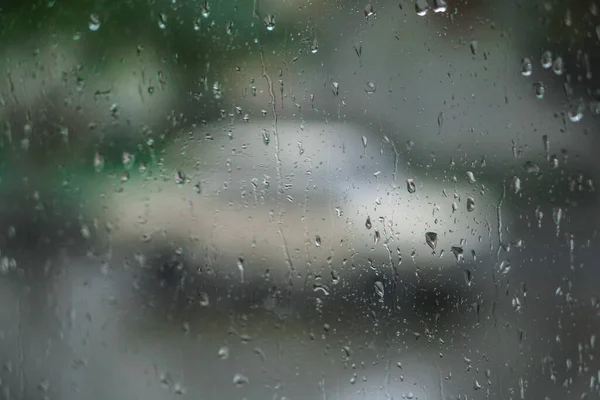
(297, 199)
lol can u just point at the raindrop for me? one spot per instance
(223, 353)
(431, 239)
(526, 67)
(217, 91)
(577, 114)
(128, 160)
(558, 66)
(205, 9)
(473, 46)
(314, 47)
(531, 167)
(439, 6)
(364, 141)
(94, 23)
(98, 162)
(270, 22)
(179, 177)
(458, 252)
(162, 21)
(369, 10)
(240, 266)
(379, 289)
(240, 380)
(470, 177)
(266, 136)
(516, 184)
(376, 238)
(468, 277)
(546, 59)
(410, 185)
(553, 161)
(321, 288)
(470, 204)
(318, 241)
(539, 89)
(370, 87)
(335, 87)
(368, 223)
(421, 7)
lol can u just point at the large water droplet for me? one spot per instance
(318, 241)
(458, 252)
(431, 239)
(240, 380)
(576, 114)
(558, 66)
(411, 186)
(531, 167)
(314, 47)
(470, 177)
(470, 204)
(546, 59)
(94, 23)
(205, 9)
(270, 22)
(379, 289)
(526, 67)
(368, 223)
(439, 6)
(539, 89)
(516, 184)
(162, 21)
(369, 10)
(421, 7)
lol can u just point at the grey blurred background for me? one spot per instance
(299, 200)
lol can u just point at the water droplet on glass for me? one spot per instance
(421, 7)
(217, 91)
(558, 66)
(546, 59)
(364, 141)
(266, 136)
(431, 239)
(98, 162)
(470, 204)
(379, 289)
(516, 184)
(314, 47)
(411, 186)
(321, 288)
(94, 23)
(376, 238)
(368, 223)
(205, 9)
(553, 161)
(162, 20)
(128, 160)
(531, 167)
(539, 89)
(458, 252)
(568, 18)
(223, 352)
(369, 10)
(473, 47)
(526, 67)
(468, 277)
(335, 87)
(179, 177)
(576, 115)
(439, 6)
(318, 241)
(270, 22)
(370, 87)
(240, 380)
(470, 177)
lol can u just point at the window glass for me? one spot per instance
(296, 199)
